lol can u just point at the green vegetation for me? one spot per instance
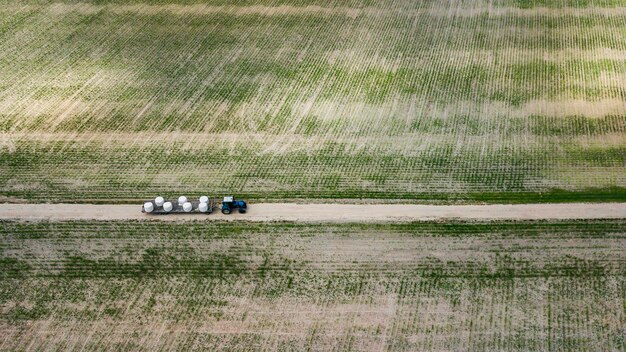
(98, 172)
(505, 101)
(496, 285)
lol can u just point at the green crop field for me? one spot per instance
(427, 101)
(494, 286)
(311, 101)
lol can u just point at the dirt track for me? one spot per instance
(324, 212)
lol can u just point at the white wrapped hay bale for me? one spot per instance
(182, 200)
(187, 207)
(159, 201)
(148, 207)
(167, 206)
(203, 207)
(204, 199)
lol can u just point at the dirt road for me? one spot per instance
(324, 212)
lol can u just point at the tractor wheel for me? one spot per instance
(226, 211)
(242, 211)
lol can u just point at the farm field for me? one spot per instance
(306, 108)
(284, 286)
(427, 101)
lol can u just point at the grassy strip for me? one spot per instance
(72, 172)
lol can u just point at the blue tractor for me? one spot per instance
(229, 204)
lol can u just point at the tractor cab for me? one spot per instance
(229, 204)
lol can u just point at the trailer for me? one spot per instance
(161, 206)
